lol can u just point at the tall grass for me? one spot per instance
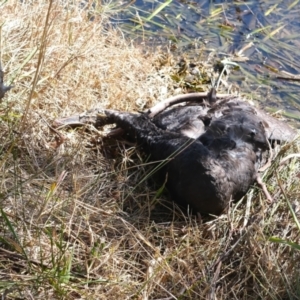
(71, 225)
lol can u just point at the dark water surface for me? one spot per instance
(269, 31)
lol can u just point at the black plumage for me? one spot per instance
(209, 154)
(205, 172)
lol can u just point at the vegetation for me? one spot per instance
(77, 220)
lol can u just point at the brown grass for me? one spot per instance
(76, 223)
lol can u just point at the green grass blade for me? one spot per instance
(281, 241)
(11, 228)
(156, 11)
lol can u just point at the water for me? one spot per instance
(268, 31)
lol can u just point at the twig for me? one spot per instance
(287, 78)
(285, 159)
(264, 188)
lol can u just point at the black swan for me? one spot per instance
(210, 153)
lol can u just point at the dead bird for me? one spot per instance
(208, 155)
(205, 173)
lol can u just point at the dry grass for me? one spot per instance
(76, 223)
